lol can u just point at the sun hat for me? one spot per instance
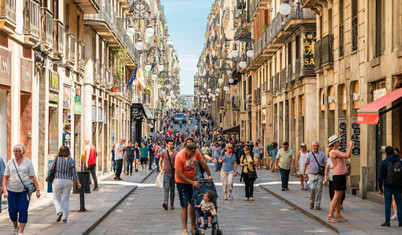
(303, 145)
(333, 139)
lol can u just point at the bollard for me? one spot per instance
(85, 188)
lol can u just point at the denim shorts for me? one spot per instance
(185, 194)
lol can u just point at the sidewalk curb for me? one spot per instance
(90, 229)
(309, 214)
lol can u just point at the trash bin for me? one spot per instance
(84, 181)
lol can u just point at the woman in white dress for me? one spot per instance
(301, 158)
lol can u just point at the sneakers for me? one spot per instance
(203, 226)
(246, 198)
(311, 205)
(126, 173)
(185, 232)
(394, 217)
(164, 205)
(251, 199)
(231, 196)
(15, 231)
(95, 189)
(59, 215)
(64, 221)
(319, 208)
(225, 198)
(172, 207)
(131, 173)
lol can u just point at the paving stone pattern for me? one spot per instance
(142, 213)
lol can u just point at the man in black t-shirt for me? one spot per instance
(129, 155)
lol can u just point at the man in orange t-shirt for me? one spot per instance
(185, 163)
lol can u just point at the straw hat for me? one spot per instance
(333, 139)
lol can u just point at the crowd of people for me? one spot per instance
(181, 153)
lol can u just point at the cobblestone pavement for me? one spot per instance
(142, 213)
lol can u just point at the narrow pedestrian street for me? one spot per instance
(142, 213)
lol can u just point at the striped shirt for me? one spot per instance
(65, 169)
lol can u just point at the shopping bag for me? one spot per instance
(159, 181)
(306, 186)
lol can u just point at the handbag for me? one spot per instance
(321, 169)
(252, 174)
(30, 188)
(349, 167)
(50, 177)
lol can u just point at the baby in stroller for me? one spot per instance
(207, 208)
(205, 199)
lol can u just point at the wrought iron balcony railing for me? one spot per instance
(324, 51)
(49, 27)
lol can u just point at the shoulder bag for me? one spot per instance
(321, 169)
(170, 161)
(30, 188)
(50, 177)
(252, 174)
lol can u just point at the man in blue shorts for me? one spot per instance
(185, 163)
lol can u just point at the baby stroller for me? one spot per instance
(198, 195)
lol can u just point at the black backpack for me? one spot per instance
(394, 174)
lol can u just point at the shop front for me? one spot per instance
(5, 103)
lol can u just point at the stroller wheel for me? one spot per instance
(214, 231)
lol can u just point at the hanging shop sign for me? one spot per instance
(26, 75)
(263, 114)
(78, 108)
(66, 97)
(342, 134)
(356, 139)
(77, 96)
(54, 82)
(309, 40)
(5, 67)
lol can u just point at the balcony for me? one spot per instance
(81, 56)
(324, 53)
(89, 6)
(110, 28)
(31, 23)
(58, 39)
(70, 49)
(256, 5)
(48, 27)
(275, 34)
(8, 16)
(226, 16)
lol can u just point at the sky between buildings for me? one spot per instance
(187, 21)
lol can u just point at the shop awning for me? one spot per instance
(232, 130)
(370, 113)
(138, 110)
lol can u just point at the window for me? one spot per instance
(330, 21)
(378, 33)
(354, 25)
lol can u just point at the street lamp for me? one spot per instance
(234, 53)
(285, 8)
(225, 88)
(149, 31)
(220, 80)
(209, 89)
(148, 67)
(231, 80)
(154, 76)
(131, 31)
(217, 90)
(139, 45)
(160, 67)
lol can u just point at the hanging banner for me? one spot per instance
(309, 40)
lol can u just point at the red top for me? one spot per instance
(92, 156)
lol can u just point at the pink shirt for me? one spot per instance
(339, 163)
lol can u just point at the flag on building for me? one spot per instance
(130, 83)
